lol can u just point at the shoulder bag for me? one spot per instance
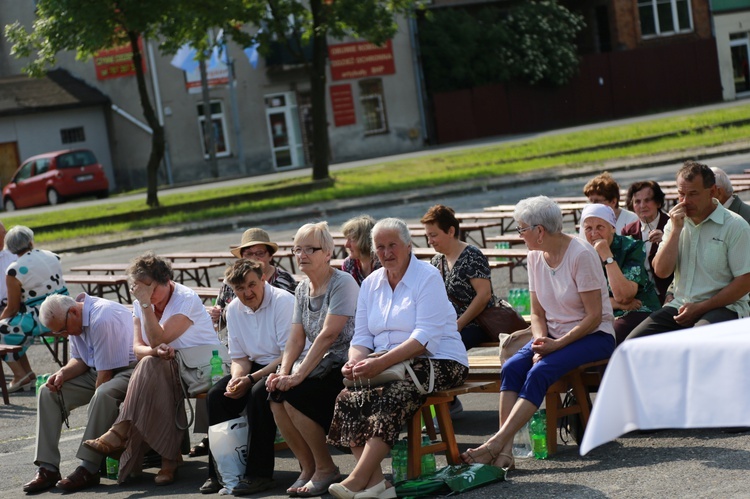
(194, 366)
(396, 372)
(494, 321)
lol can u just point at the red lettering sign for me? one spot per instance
(116, 62)
(360, 60)
(342, 103)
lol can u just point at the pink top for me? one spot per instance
(558, 289)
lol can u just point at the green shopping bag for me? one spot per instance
(456, 478)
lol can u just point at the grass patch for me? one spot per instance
(436, 169)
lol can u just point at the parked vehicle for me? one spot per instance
(54, 177)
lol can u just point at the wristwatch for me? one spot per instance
(609, 260)
(145, 305)
(250, 377)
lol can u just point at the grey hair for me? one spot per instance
(55, 306)
(395, 224)
(359, 228)
(19, 239)
(319, 231)
(722, 180)
(539, 210)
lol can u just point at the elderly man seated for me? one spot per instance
(97, 374)
(258, 323)
(708, 249)
(726, 196)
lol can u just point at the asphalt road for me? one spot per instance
(671, 463)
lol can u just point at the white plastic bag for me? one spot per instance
(228, 443)
(522, 443)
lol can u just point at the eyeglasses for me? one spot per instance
(256, 254)
(65, 326)
(308, 250)
(521, 230)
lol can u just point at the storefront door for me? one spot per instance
(284, 130)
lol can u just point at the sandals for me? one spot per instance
(511, 466)
(298, 484)
(25, 384)
(101, 447)
(493, 458)
(319, 488)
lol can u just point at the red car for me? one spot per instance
(53, 177)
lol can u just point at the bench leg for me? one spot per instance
(414, 446)
(3, 385)
(446, 433)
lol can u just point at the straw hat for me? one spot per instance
(254, 236)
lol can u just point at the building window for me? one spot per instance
(664, 17)
(219, 128)
(373, 106)
(72, 135)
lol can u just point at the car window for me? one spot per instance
(24, 172)
(76, 159)
(42, 166)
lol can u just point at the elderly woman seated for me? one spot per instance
(571, 322)
(304, 390)
(167, 316)
(632, 293)
(361, 261)
(646, 199)
(403, 313)
(30, 279)
(603, 189)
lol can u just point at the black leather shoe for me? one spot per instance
(44, 479)
(210, 486)
(78, 480)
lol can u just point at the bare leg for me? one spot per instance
(315, 438)
(502, 441)
(294, 440)
(368, 471)
(19, 371)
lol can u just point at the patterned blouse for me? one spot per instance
(630, 255)
(352, 266)
(471, 264)
(281, 279)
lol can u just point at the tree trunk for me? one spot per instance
(157, 136)
(318, 92)
(209, 139)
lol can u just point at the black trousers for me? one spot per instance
(262, 427)
(662, 321)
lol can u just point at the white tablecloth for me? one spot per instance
(695, 378)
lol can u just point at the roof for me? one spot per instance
(56, 91)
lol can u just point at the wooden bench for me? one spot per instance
(206, 293)
(441, 401)
(98, 285)
(580, 380)
(5, 350)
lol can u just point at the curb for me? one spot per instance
(305, 213)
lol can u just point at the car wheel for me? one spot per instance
(53, 197)
(10, 205)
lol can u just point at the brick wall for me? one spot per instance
(626, 31)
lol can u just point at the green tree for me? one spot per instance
(530, 42)
(87, 26)
(302, 23)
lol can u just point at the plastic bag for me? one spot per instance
(522, 443)
(455, 478)
(228, 442)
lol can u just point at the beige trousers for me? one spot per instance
(104, 406)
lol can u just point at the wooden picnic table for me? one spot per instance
(227, 256)
(99, 285)
(196, 271)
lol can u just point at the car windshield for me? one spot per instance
(75, 159)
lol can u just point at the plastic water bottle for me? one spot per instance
(428, 460)
(41, 381)
(526, 301)
(398, 461)
(217, 368)
(502, 245)
(522, 443)
(113, 468)
(539, 435)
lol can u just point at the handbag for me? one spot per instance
(396, 372)
(513, 342)
(327, 364)
(195, 366)
(494, 321)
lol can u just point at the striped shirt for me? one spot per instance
(107, 339)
